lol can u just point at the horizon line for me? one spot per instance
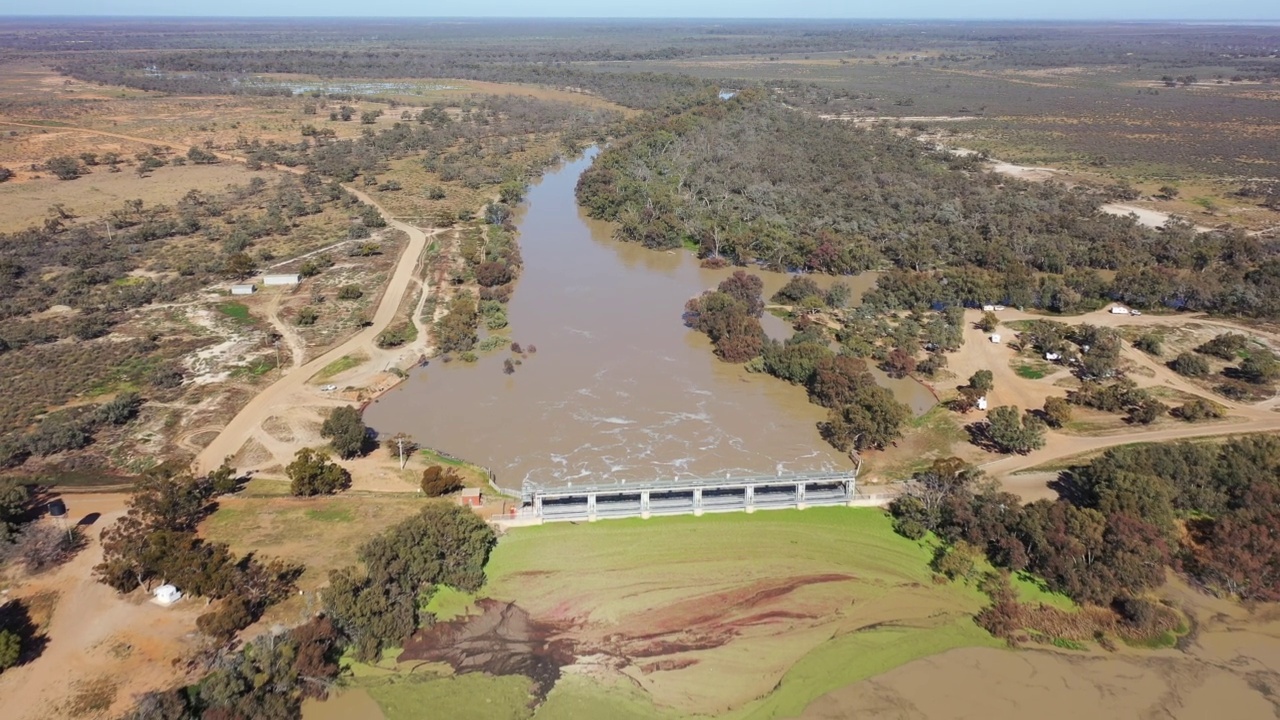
(1174, 21)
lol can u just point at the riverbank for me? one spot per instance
(618, 387)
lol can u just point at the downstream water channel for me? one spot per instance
(619, 388)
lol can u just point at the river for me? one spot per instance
(619, 388)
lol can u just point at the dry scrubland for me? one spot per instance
(226, 349)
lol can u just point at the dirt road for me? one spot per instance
(291, 389)
(94, 633)
(1012, 389)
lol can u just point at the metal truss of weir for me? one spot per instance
(687, 496)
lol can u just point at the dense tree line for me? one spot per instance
(229, 72)
(380, 606)
(1123, 518)
(752, 181)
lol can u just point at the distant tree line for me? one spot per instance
(752, 181)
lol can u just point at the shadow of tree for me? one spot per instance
(15, 617)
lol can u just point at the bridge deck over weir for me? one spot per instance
(688, 496)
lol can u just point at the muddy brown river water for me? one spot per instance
(619, 388)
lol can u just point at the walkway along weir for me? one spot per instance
(690, 496)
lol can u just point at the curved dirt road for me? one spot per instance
(1010, 388)
(278, 396)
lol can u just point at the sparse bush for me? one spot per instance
(1190, 365)
(1057, 411)
(311, 473)
(438, 481)
(307, 316)
(396, 335)
(223, 622)
(1199, 409)
(1146, 412)
(64, 167)
(1226, 346)
(350, 292)
(346, 431)
(1149, 343)
(40, 546)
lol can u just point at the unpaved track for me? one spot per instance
(291, 389)
(1010, 388)
(95, 633)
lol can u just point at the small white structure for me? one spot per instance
(988, 308)
(292, 279)
(166, 595)
(244, 289)
(995, 339)
(1119, 310)
(982, 403)
(1052, 356)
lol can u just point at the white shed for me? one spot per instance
(247, 289)
(1119, 310)
(988, 308)
(982, 403)
(1052, 356)
(995, 338)
(292, 279)
(167, 595)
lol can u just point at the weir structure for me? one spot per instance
(689, 496)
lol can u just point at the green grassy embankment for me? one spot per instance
(755, 615)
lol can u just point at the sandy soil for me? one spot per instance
(293, 400)
(1145, 216)
(96, 633)
(980, 353)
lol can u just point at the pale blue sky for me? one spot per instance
(869, 9)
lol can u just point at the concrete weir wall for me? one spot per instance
(691, 496)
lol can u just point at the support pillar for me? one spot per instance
(537, 506)
(697, 501)
(800, 505)
(750, 498)
(591, 507)
(644, 504)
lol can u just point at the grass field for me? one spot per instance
(744, 616)
(342, 364)
(322, 533)
(238, 312)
